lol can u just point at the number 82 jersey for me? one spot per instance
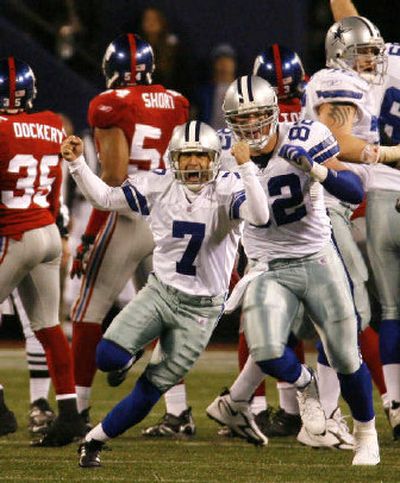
(299, 225)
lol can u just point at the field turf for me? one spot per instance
(205, 458)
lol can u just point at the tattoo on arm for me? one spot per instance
(340, 114)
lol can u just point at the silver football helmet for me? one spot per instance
(250, 106)
(355, 43)
(195, 137)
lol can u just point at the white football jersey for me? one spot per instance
(390, 109)
(299, 225)
(196, 235)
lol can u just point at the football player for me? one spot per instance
(382, 238)
(296, 161)
(196, 215)
(347, 97)
(30, 243)
(133, 121)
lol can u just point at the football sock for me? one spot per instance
(85, 337)
(357, 392)
(83, 395)
(287, 397)
(132, 409)
(39, 378)
(97, 433)
(243, 354)
(389, 345)
(392, 378)
(247, 381)
(369, 344)
(329, 388)
(258, 404)
(175, 399)
(286, 368)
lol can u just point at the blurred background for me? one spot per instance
(200, 47)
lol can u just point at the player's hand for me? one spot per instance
(72, 148)
(297, 156)
(83, 252)
(241, 151)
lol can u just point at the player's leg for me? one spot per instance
(40, 413)
(383, 243)
(8, 422)
(330, 304)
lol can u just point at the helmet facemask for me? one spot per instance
(195, 179)
(252, 124)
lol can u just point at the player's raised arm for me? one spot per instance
(343, 8)
(98, 193)
(255, 207)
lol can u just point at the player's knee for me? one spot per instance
(110, 356)
(267, 352)
(346, 362)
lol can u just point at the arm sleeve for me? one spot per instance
(345, 185)
(251, 204)
(98, 193)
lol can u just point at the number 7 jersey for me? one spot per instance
(298, 225)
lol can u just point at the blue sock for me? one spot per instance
(322, 359)
(389, 341)
(110, 356)
(357, 392)
(132, 409)
(286, 368)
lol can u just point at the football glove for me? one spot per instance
(297, 156)
(83, 251)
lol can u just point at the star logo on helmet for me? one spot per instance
(338, 34)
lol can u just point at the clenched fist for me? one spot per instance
(241, 151)
(72, 148)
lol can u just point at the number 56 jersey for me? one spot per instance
(298, 225)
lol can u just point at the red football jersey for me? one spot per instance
(30, 171)
(289, 111)
(146, 114)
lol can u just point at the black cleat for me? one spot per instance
(89, 454)
(63, 431)
(170, 425)
(84, 414)
(279, 423)
(115, 378)
(8, 423)
(40, 416)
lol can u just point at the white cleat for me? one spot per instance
(366, 448)
(237, 416)
(394, 419)
(311, 411)
(337, 434)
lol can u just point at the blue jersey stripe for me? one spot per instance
(340, 93)
(333, 151)
(321, 146)
(144, 210)
(238, 199)
(130, 198)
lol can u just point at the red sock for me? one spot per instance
(58, 356)
(243, 354)
(369, 343)
(299, 351)
(85, 337)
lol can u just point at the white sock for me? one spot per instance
(97, 433)
(39, 388)
(258, 404)
(304, 378)
(287, 397)
(391, 373)
(329, 388)
(385, 401)
(83, 394)
(364, 427)
(247, 381)
(1, 388)
(175, 399)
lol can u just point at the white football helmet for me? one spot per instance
(250, 106)
(355, 43)
(195, 137)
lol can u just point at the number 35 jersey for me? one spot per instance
(298, 225)
(30, 172)
(196, 235)
(147, 116)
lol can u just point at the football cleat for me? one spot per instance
(279, 423)
(311, 411)
(116, 378)
(89, 454)
(394, 419)
(170, 425)
(226, 432)
(337, 434)
(366, 448)
(63, 431)
(84, 414)
(40, 416)
(237, 416)
(8, 423)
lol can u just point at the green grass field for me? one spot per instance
(204, 458)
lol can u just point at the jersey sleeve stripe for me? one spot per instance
(130, 198)
(144, 210)
(340, 93)
(237, 200)
(321, 146)
(329, 153)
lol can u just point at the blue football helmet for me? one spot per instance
(129, 60)
(283, 69)
(17, 85)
